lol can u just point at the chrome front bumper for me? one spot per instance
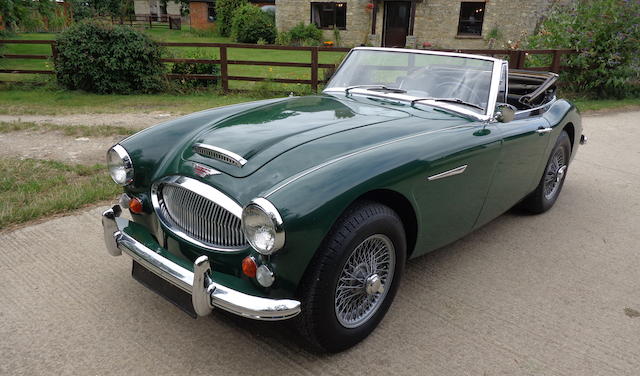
(205, 293)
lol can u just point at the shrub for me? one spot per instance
(104, 59)
(606, 33)
(196, 68)
(224, 15)
(250, 24)
(305, 34)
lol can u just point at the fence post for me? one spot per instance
(555, 63)
(522, 56)
(150, 24)
(223, 69)
(54, 51)
(314, 69)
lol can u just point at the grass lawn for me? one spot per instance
(166, 35)
(30, 189)
(68, 130)
(14, 101)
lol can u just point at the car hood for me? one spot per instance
(258, 135)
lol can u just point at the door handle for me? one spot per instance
(544, 130)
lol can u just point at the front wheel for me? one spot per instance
(353, 278)
(550, 185)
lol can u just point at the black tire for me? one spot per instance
(541, 200)
(318, 322)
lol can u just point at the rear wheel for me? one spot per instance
(550, 185)
(353, 278)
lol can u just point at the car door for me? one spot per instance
(453, 185)
(518, 171)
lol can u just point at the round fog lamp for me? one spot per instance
(264, 276)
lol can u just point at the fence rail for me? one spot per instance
(517, 60)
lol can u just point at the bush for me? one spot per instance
(250, 24)
(196, 68)
(101, 58)
(606, 33)
(224, 15)
(305, 34)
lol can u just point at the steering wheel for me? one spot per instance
(476, 99)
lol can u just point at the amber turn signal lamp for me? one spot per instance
(135, 205)
(249, 267)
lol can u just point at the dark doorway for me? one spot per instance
(396, 23)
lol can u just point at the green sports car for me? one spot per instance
(307, 208)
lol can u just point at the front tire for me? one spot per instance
(550, 185)
(353, 278)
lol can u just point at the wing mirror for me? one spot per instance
(504, 113)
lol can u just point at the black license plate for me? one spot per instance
(173, 294)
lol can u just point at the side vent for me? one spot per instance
(220, 154)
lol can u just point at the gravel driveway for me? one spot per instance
(555, 294)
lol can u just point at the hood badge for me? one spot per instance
(204, 171)
(220, 154)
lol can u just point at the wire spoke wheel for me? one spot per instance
(362, 285)
(554, 174)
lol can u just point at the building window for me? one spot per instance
(211, 12)
(329, 15)
(471, 17)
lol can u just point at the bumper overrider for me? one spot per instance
(206, 294)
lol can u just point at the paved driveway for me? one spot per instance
(556, 294)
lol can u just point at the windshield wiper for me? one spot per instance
(451, 100)
(375, 88)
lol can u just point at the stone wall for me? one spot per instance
(145, 7)
(436, 21)
(291, 12)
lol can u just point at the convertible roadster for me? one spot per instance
(307, 208)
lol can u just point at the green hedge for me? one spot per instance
(104, 59)
(224, 15)
(250, 24)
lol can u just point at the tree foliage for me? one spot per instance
(102, 58)
(224, 14)
(28, 15)
(606, 33)
(250, 24)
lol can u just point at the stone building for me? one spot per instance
(203, 12)
(436, 23)
(156, 8)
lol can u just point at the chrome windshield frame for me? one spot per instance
(489, 112)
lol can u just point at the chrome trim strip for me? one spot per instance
(235, 159)
(203, 190)
(306, 172)
(206, 293)
(446, 174)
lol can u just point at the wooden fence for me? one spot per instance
(517, 59)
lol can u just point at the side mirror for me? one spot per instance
(504, 113)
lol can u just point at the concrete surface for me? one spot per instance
(555, 294)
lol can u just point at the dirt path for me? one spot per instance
(133, 120)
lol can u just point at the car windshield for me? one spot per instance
(459, 80)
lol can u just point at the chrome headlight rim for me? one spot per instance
(270, 211)
(127, 164)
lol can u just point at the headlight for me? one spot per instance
(262, 226)
(120, 165)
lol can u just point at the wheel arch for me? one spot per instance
(571, 131)
(402, 206)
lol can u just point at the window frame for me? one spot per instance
(211, 6)
(335, 14)
(483, 4)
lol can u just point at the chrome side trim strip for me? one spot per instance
(220, 154)
(206, 294)
(446, 174)
(306, 172)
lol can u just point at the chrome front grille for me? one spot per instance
(199, 214)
